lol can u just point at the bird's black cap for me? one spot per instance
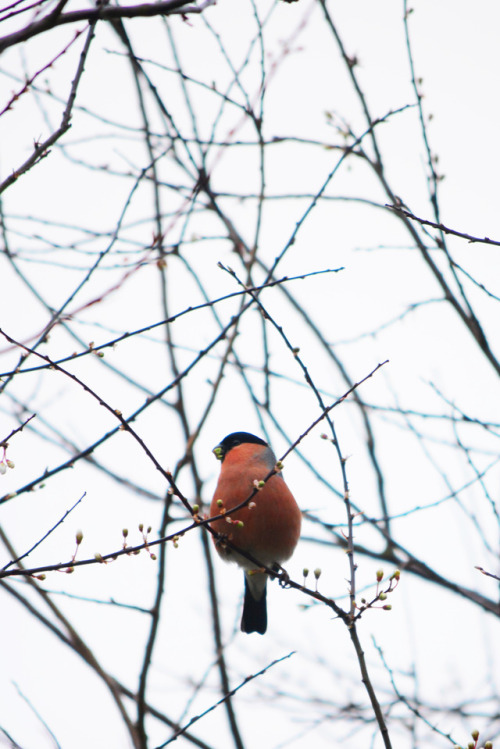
(234, 439)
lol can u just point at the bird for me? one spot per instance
(268, 527)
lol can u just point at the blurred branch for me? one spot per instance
(70, 637)
(402, 698)
(92, 16)
(73, 641)
(41, 149)
(404, 560)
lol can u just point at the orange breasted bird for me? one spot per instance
(268, 527)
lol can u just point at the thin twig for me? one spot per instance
(226, 697)
(441, 227)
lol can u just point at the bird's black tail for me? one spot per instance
(254, 617)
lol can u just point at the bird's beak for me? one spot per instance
(218, 452)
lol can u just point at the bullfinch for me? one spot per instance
(268, 527)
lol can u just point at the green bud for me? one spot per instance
(380, 575)
(475, 734)
(382, 596)
(317, 573)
